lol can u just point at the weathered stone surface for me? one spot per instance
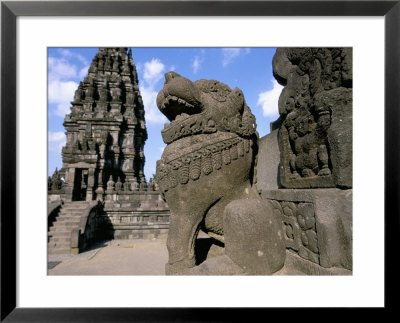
(220, 265)
(253, 236)
(268, 163)
(138, 214)
(208, 166)
(316, 223)
(106, 129)
(315, 107)
(296, 265)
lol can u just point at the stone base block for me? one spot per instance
(134, 233)
(297, 266)
(74, 251)
(317, 224)
(139, 223)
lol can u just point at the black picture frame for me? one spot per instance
(10, 10)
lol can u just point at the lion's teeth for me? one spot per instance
(171, 99)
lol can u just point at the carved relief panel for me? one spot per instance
(315, 110)
(299, 229)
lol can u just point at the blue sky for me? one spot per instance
(249, 69)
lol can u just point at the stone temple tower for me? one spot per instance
(106, 128)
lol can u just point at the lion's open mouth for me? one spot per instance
(175, 108)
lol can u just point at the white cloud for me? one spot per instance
(196, 63)
(153, 71)
(60, 68)
(229, 54)
(63, 76)
(83, 72)
(61, 87)
(139, 67)
(152, 114)
(56, 140)
(62, 109)
(56, 136)
(269, 100)
(68, 54)
(61, 93)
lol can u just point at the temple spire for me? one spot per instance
(106, 128)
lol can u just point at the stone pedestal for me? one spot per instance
(138, 215)
(317, 224)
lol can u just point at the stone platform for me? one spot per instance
(137, 215)
(149, 256)
(115, 257)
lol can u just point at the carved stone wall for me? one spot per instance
(299, 230)
(315, 108)
(137, 214)
(316, 224)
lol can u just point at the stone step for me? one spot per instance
(58, 245)
(63, 227)
(69, 217)
(59, 251)
(74, 208)
(71, 211)
(71, 214)
(66, 214)
(72, 219)
(60, 239)
(64, 221)
(75, 205)
(59, 233)
(66, 224)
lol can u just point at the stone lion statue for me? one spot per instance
(206, 176)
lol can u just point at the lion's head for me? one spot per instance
(204, 106)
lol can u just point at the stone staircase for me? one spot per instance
(59, 234)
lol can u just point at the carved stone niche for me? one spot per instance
(317, 228)
(315, 107)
